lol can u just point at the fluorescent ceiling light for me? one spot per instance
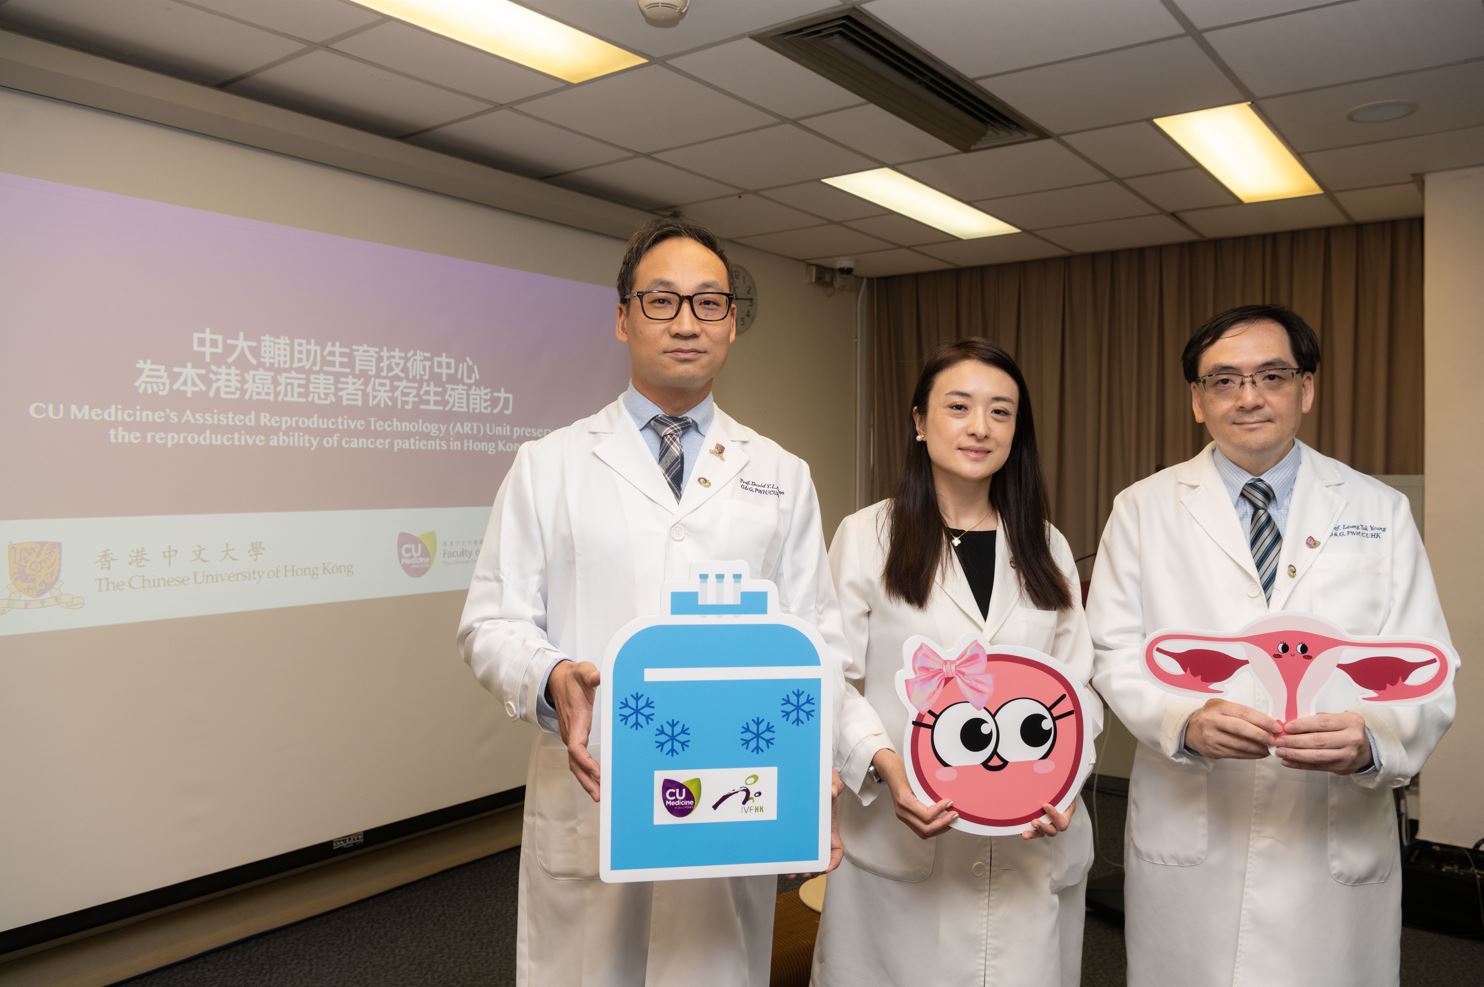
(1232, 143)
(514, 32)
(915, 200)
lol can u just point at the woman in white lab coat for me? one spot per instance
(963, 549)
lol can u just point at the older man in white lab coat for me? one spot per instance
(1258, 851)
(590, 523)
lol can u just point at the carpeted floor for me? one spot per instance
(458, 927)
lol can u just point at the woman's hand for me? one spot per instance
(1050, 824)
(925, 820)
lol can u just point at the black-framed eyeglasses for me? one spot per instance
(1224, 383)
(706, 306)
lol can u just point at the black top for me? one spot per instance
(975, 553)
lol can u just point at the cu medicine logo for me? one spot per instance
(680, 797)
(416, 552)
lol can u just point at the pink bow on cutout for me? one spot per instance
(930, 673)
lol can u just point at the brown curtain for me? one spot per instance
(1099, 336)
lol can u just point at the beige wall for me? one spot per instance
(1453, 257)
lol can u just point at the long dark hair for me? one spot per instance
(919, 539)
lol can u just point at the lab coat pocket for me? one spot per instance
(877, 841)
(1167, 810)
(1362, 833)
(564, 821)
(1072, 852)
(1030, 628)
(1353, 590)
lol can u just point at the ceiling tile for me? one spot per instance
(1393, 162)
(517, 143)
(1130, 149)
(900, 229)
(643, 182)
(763, 158)
(1119, 234)
(1367, 205)
(817, 241)
(1347, 41)
(706, 23)
(884, 136)
(1447, 99)
(647, 109)
(824, 200)
(760, 75)
(448, 63)
(1213, 13)
(168, 37)
(339, 88)
(1001, 171)
(1061, 207)
(312, 20)
(886, 263)
(1265, 217)
(1193, 188)
(981, 39)
(746, 214)
(1118, 87)
(993, 250)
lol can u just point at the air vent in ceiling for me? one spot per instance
(859, 52)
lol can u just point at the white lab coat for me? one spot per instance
(583, 535)
(1241, 871)
(958, 908)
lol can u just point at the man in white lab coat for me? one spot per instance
(589, 524)
(1258, 851)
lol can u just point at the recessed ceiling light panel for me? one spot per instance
(514, 32)
(912, 199)
(1236, 146)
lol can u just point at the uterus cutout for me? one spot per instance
(1302, 664)
(1000, 730)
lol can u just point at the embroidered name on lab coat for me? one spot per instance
(1358, 531)
(766, 489)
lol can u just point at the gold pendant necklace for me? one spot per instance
(956, 539)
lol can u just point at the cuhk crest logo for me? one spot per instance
(416, 552)
(35, 570)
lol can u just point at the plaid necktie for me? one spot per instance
(672, 458)
(1263, 535)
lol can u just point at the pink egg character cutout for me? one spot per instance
(1001, 732)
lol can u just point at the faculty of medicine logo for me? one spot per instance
(416, 552)
(680, 797)
(35, 567)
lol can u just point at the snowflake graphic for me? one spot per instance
(757, 735)
(671, 738)
(798, 707)
(636, 711)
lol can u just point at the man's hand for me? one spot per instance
(1050, 824)
(1225, 729)
(1325, 742)
(837, 846)
(925, 820)
(570, 689)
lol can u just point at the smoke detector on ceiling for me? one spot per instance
(663, 13)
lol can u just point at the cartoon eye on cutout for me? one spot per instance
(1303, 649)
(1282, 647)
(1027, 729)
(964, 735)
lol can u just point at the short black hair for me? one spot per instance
(657, 231)
(1301, 337)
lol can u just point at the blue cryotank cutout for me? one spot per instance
(715, 720)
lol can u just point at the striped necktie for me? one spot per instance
(1263, 535)
(672, 457)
